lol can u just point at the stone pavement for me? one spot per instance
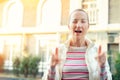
(9, 76)
(4, 78)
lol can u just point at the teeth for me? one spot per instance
(78, 31)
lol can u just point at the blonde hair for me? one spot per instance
(78, 10)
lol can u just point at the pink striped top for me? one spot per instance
(75, 67)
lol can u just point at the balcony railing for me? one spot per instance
(91, 8)
(93, 15)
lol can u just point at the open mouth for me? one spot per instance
(78, 31)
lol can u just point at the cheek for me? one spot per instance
(71, 27)
(71, 30)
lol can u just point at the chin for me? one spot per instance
(78, 37)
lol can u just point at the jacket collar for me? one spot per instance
(88, 42)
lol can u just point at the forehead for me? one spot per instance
(79, 15)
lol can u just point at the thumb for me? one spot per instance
(99, 49)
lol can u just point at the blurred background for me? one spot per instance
(34, 27)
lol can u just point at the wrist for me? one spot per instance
(52, 68)
(52, 65)
(102, 66)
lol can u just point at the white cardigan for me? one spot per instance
(92, 64)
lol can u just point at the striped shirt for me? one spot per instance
(75, 67)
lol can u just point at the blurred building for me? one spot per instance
(37, 26)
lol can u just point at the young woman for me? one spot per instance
(79, 58)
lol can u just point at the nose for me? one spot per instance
(79, 24)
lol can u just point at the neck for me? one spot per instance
(78, 42)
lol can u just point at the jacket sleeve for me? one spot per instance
(49, 74)
(105, 72)
(47, 70)
(54, 73)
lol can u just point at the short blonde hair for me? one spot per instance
(78, 10)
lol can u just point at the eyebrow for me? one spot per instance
(79, 19)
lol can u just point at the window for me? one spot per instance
(91, 7)
(12, 14)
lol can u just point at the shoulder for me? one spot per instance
(90, 43)
(91, 46)
(62, 48)
(64, 45)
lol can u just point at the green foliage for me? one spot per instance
(16, 65)
(117, 67)
(26, 66)
(33, 65)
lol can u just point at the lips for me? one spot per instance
(78, 31)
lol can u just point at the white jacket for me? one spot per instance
(92, 64)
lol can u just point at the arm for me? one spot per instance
(51, 73)
(105, 72)
(54, 61)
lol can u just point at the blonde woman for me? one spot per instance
(79, 58)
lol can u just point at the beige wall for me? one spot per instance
(65, 11)
(30, 9)
(114, 11)
(2, 4)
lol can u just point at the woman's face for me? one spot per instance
(78, 24)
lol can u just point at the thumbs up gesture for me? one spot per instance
(55, 58)
(101, 57)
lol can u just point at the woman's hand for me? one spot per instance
(101, 57)
(55, 58)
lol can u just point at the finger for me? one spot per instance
(56, 52)
(99, 50)
(53, 55)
